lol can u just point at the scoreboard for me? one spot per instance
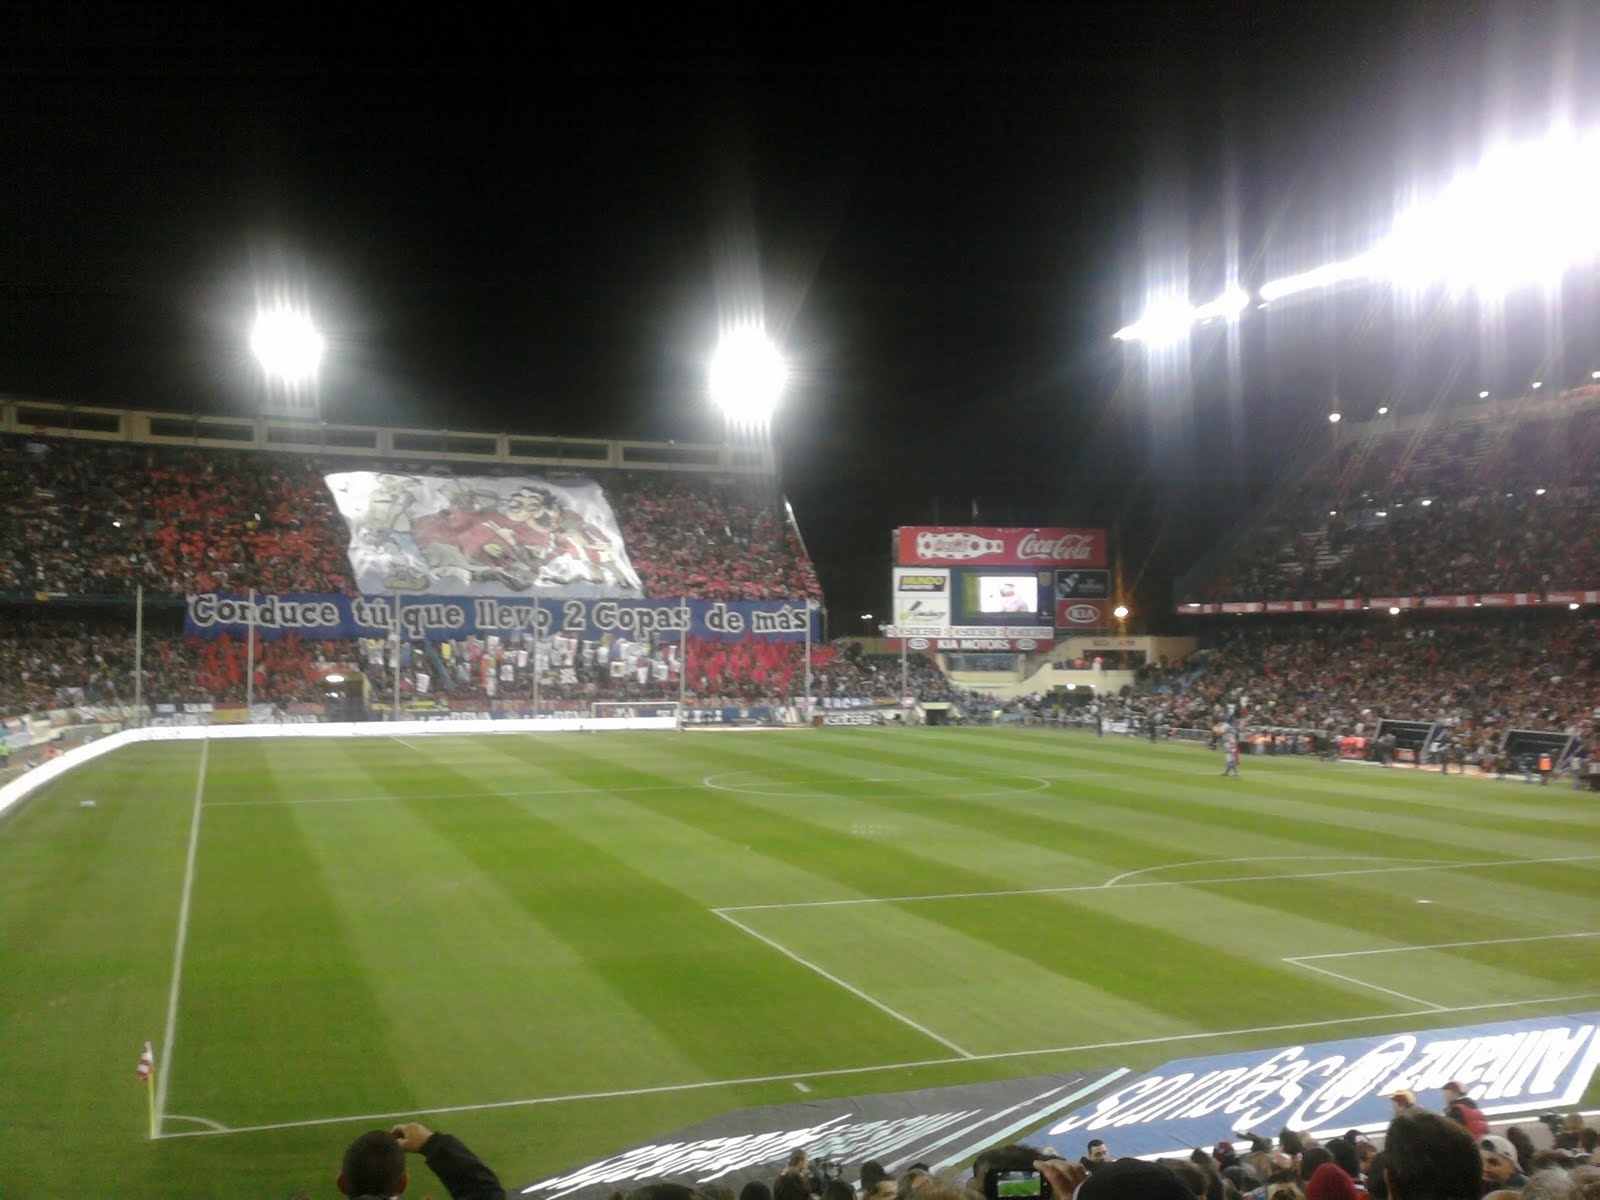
(988, 588)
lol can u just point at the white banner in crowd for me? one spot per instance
(473, 535)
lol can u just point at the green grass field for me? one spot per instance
(562, 946)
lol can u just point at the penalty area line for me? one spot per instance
(705, 1084)
(849, 987)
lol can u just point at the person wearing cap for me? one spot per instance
(1403, 1101)
(1459, 1106)
(1500, 1168)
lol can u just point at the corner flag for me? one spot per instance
(145, 1069)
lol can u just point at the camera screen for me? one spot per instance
(1016, 1183)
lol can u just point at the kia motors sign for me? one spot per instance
(1083, 614)
(965, 545)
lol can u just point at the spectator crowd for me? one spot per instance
(1480, 675)
(1496, 500)
(96, 519)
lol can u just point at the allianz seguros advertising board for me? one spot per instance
(1327, 1088)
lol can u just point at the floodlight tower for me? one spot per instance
(746, 379)
(289, 347)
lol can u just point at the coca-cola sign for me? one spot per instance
(939, 545)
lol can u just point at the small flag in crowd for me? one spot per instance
(147, 1064)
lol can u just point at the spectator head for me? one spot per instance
(1344, 1156)
(872, 1173)
(1312, 1158)
(1519, 1138)
(755, 1190)
(1403, 1100)
(1554, 1184)
(1428, 1157)
(1453, 1091)
(1329, 1182)
(1499, 1159)
(374, 1165)
(1097, 1151)
(838, 1189)
(797, 1159)
(1193, 1178)
(1132, 1179)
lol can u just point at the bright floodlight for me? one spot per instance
(1483, 395)
(747, 375)
(1120, 612)
(1383, 410)
(1334, 418)
(1537, 384)
(287, 345)
(1164, 322)
(1393, 611)
(1522, 216)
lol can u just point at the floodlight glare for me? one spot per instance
(1120, 612)
(1164, 322)
(1537, 384)
(1393, 611)
(1334, 418)
(748, 375)
(1483, 395)
(287, 345)
(1383, 410)
(1233, 301)
(1318, 277)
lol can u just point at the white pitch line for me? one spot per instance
(1206, 862)
(1363, 983)
(1536, 937)
(477, 795)
(1163, 883)
(702, 1085)
(164, 1072)
(849, 987)
(217, 1126)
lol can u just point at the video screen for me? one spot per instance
(998, 595)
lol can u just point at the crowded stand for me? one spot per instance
(1497, 499)
(1480, 676)
(99, 519)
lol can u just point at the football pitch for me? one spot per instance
(561, 946)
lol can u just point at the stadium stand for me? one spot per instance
(96, 519)
(1497, 498)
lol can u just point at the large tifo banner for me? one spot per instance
(445, 618)
(1330, 1087)
(470, 535)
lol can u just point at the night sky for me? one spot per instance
(533, 224)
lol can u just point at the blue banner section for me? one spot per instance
(1330, 1087)
(445, 618)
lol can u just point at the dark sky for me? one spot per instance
(532, 223)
